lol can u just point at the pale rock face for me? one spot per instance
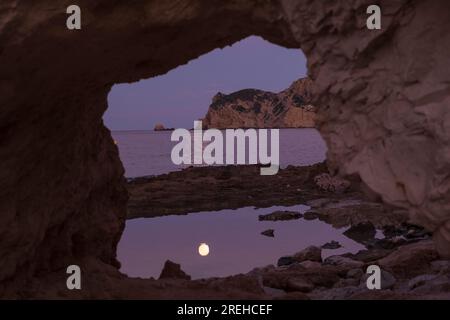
(382, 96)
(383, 105)
(251, 108)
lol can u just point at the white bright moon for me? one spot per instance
(203, 249)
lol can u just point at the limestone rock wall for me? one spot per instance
(383, 98)
(252, 108)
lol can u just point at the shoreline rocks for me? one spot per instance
(331, 245)
(280, 216)
(223, 187)
(172, 270)
(411, 271)
(268, 233)
(410, 265)
(361, 233)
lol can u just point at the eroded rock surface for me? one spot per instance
(383, 101)
(252, 108)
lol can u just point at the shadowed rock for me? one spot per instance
(268, 233)
(361, 233)
(331, 245)
(280, 215)
(172, 270)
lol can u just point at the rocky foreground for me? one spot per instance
(411, 271)
(210, 188)
(411, 267)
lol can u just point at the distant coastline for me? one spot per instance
(253, 108)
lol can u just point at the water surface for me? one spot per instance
(236, 245)
(148, 152)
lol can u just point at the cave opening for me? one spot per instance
(207, 218)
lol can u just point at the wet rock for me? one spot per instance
(285, 261)
(221, 187)
(369, 255)
(387, 243)
(172, 270)
(318, 203)
(344, 262)
(280, 215)
(361, 233)
(352, 211)
(416, 232)
(331, 245)
(393, 231)
(268, 233)
(311, 215)
(406, 230)
(311, 253)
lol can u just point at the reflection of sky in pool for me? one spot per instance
(233, 236)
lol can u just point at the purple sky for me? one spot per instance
(183, 95)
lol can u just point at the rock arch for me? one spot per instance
(383, 98)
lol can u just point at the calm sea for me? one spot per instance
(148, 152)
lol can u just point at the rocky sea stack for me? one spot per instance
(159, 127)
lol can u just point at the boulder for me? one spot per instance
(268, 233)
(299, 284)
(311, 215)
(310, 264)
(361, 233)
(369, 255)
(285, 261)
(311, 253)
(172, 270)
(343, 262)
(410, 260)
(331, 245)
